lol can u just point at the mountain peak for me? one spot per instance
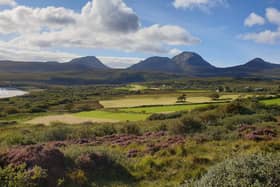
(257, 61)
(187, 55)
(192, 62)
(88, 62)
(86, 59)
(156, 64)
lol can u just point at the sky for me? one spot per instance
(123, 32)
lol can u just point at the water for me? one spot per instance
(9, 92)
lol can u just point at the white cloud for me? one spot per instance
(23, 19)
(273, 16)
(102, 24)
(8, 52)
(175, 52)
(8, 3)
(119, 62)
(266, 36)
(254, 19)
(204, 4)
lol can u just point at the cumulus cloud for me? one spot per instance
(8, 3)
(119, 62)
(102, 24)
(273, 16)
(9, 52)
(267, 36)
(23, 19)
(175, 52)
(254, 19)
(197, 3)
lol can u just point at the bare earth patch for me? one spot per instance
(67, 118)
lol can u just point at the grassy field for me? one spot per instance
(150, 100)
(117, 116)
(272, 101)
(163, 109)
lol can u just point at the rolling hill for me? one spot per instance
(78, 64)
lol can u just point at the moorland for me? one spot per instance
(84, 124)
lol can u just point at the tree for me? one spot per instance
(215, 96)
(182, 98)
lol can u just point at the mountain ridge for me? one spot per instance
(185, 63)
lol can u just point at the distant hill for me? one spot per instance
(157, 64)
(78, 64)
(188, 64)
(193, 64)
(89, 62)
(255, 67)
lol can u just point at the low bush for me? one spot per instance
(15, 176)
(130, 129)
(165, 116)
(254, 170)
(187, 125)
(105, 130)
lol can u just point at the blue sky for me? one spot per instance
(122, 32)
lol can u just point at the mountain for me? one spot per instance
(257, 64)
(193, 64)
(156, 64)
(187, 63)
(255, 67)
(78, 64)
(89, 62)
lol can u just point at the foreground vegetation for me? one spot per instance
(220, 143)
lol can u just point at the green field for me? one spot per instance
(271, 101)
(118, 116)
(163, 109)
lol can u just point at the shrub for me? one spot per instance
(238, 120)
(11, 110)
(55, 133)
(238, 107)
(78, 177)
(131, 129)
(105, 130)
(254, 170)
(13, 176)
(209, 117)
(165, 116)
(186, 125)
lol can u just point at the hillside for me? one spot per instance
(79, 64)
(157, 64)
